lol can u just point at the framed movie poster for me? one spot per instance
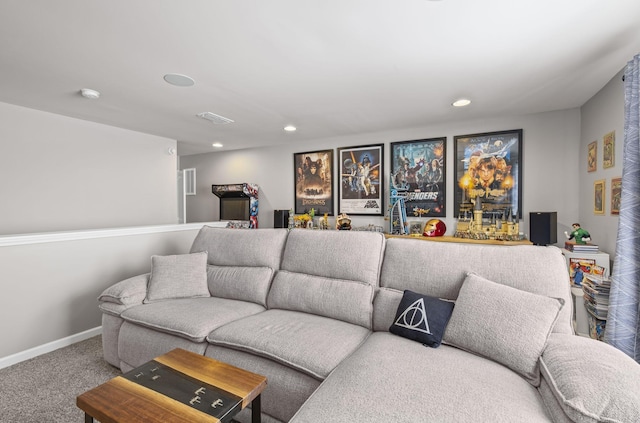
(418, 168)
(609, 150)
(616, 195)
(488, 169)
(598, 197)
(361, 185)
(592, 156)
(313, 182)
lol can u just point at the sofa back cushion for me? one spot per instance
(349, 255)
(349, 301)
(241, 262)
(240, 247)
(240, 283)
(329, 273)
(438, 269)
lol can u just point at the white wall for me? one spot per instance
(550, 167)
(59, 173)
(50, 289)
(602, 114)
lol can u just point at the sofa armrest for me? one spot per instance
(590, 380)
(128, 292)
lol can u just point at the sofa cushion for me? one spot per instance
(591, 381)
(177, 276)
(349, 301)
(311, 344)
(421, 318)
(190, 318)
(438, 269)
(503, 324)
(393, 379)
(385, 306)
(240, 283)
(347, 255)
(233, 247)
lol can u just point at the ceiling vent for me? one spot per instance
(213, 118)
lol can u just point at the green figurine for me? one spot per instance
(581, 235)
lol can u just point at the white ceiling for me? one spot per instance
(329, 67)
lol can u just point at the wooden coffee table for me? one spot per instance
(180, 387)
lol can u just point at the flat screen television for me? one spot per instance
(234, 208)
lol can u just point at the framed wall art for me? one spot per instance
(361, 180)
(488, 170)
(616, 195)
(418, 168)
(608, 150)
(313, 182)
(598, 196)
(592, 156)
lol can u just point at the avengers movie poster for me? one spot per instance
(488, 169)
(418, 170)
(314, 182)
(361, 186)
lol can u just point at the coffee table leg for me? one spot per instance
(255, 410)
(88, 418)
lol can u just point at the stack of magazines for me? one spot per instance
(596, 295)
(581, 248)
(596, 300)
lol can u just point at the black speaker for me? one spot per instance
(543, 228)
(281, 218)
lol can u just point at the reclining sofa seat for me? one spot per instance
(320, 310)
(240, 269)
(399, 380)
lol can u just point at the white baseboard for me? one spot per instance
(48, 347)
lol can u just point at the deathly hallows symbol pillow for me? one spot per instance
(422, 318)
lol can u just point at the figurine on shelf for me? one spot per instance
(434, 227)
(580, 235)
(343, 222)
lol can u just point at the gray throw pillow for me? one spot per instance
(502, 323)
(177, 276)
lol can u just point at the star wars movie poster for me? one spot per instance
(488, 170)
(313, 182)
(361, 188)
(418, 170)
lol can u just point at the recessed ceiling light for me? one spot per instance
(179, 80)
(461, 103)
(290, 128)
(89, 93)
(217, 145)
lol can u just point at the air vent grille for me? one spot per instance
(215, 119)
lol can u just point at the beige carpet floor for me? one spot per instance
(44, 388)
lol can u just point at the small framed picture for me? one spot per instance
(616, 193)
(598, 196)
(608, 150)
(361, 187)
(592, 157)
(313, 180)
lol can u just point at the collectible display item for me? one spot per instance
(434, 227)
(343, 222)
(580, 235)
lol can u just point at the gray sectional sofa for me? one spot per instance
(312, 310)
